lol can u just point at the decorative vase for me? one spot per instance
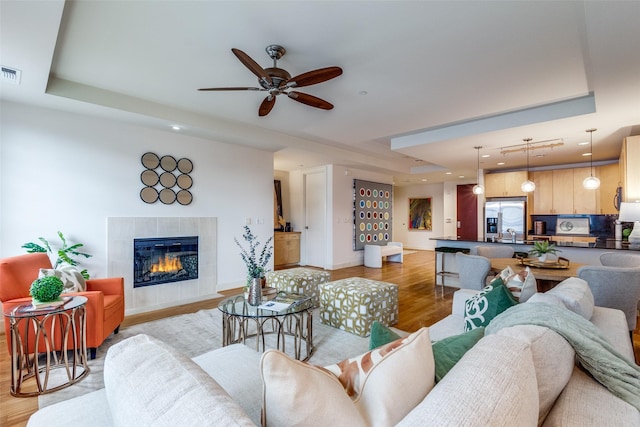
(255, 292)
(542, 258)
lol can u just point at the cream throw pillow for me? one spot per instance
(70, 276)
(522, 285)
(297, 393)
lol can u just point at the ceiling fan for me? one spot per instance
(277, 81)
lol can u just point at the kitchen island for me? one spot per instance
(446, 258)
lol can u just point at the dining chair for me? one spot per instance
(615, 287)
(495, 251)
(472, 270)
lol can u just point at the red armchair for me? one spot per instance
(104, 308)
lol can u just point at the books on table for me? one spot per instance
(283, 302)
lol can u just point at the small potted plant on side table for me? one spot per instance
(543, 248)
(255, 264)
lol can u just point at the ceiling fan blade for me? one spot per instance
(230, 88)
(316, 76)
(309, 100)
(267, 105)
(252, 65)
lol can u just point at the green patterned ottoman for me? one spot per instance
(353, 304)
(299, 280)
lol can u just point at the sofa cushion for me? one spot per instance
(576, 296)
(149, 383)
(546, 298)
(381, 335)
(447, 352)
(494, 384)
(553, 358)
(585, 402)
(297, 393)
(492, 300)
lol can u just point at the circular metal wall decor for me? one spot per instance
(149, 195)
(185, 165)
(168, 163)
(150, 160)
(160, 177)
(184, 197)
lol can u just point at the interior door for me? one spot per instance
(467, 212)
(315, 190)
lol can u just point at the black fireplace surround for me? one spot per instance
(164, 260)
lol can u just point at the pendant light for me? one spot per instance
(478, 189)
(591, 182)
(528, 186)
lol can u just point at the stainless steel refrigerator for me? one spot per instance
(504, 214)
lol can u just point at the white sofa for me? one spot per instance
(522, 375)
(373, 254)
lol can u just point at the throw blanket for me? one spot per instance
(614, 371)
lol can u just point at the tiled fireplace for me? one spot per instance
(175, 254)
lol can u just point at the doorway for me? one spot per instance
(315, 195)
(467, 213)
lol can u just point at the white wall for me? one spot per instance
(413, 238)
(69, 172)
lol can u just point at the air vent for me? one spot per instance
(11, 75)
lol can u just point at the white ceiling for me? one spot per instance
(440, 77)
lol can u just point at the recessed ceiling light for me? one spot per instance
(500, 163)
(583, 143)
(423, 180)
(460, 176)
(175, 127)
(586, 154)
(485, 155)
(447, 173)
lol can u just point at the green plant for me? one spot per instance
(255, 266)
(64, 252)
(46, 289)
(543, 247)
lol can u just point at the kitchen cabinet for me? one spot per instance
(286, 248)
(609, 176)
(560, 191)
(630, 169)
(504, 184)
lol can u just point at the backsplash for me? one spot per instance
(599, 225)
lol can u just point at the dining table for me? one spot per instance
(547, 274)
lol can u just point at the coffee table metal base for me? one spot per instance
(240, 327)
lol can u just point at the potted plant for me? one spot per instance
(542, 248)
(256, 265)
(46, 290)
(65, 253)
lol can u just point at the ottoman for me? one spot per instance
(353, 304)
(299, 280)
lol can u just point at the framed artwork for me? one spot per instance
(420, 214)
(372, 209)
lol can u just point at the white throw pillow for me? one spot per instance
(546, 298)
(71, 277)
(576, 296)
(522, 285)
(297, 393)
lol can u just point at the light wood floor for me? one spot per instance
(420, 304)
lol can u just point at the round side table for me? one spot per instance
(48, 347)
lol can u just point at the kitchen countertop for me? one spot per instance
(609, 244)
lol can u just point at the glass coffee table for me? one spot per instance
(242, 322)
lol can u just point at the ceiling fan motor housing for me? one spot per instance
(278, 76)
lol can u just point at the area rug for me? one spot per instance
(200, 332)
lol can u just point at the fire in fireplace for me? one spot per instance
(164, 260)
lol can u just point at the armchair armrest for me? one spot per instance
(108, 286)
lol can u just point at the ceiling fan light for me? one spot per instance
(478, 189)
(591, 183)
(528, 186)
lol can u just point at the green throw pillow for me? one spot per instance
(381, 335)
(448, 351)
(492, 300)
